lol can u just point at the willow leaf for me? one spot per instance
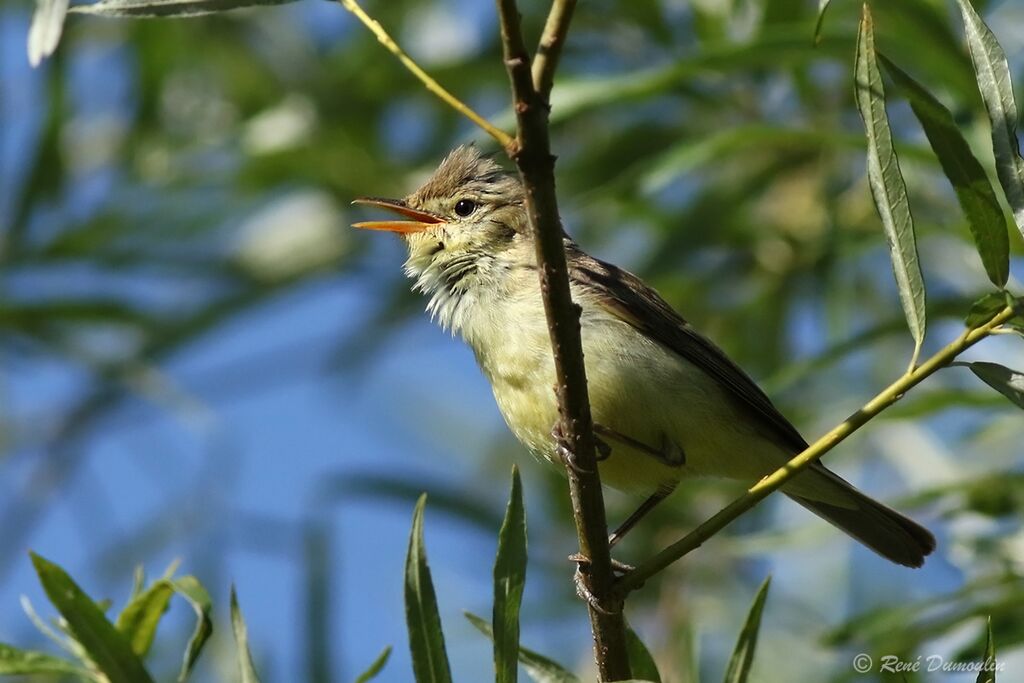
(426, 640)
(993, 75)
(973, 190)
(887, 185)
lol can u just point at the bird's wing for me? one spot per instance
(628, 298)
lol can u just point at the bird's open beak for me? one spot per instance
(421, 220)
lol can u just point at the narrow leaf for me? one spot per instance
(426, 640)
(189, 588)
(47, 26)
(743, 653)
(973, 190)
(15, 661)
(539, 668)
(107, 648)
(168, 8)
(819, 24)
(1007, 382)
(139, 619)
(509, 579)
(887, 185)
(245, 665)
(641, 663)
(376, 667)
(988, 669)
(984, 309)
(993, 75)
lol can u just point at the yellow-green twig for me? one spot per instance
(503, 138)
(759, 491)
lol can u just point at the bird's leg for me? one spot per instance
(638, 514)
(668, 453)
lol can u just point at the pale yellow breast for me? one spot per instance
(637, 387)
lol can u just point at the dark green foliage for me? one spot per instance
(743, 654)
(426, 640)
(509, 579)
(104, 646)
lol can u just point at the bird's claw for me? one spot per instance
(602, 451)
(585, 594)
(567, 456)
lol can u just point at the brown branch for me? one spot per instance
(549, 50)
(532, 155)
(810, 455)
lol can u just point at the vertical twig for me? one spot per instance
(532, 154)
(549, 50)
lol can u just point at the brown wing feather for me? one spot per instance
(626, 296)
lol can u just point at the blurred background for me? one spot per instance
(201, 361)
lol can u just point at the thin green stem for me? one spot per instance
(811, 454)
(503, 138)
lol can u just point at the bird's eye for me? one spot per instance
(464, 207)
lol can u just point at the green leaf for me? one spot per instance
(743, 653)
(15, 661)
(973, 190)
(988, 669)
(509, 579)
(1007, 382)
(107, 648)
(993, 75)
(538, 667)
(819, 23)
(139, 619)
(426, 640)
(168, 8)
(984, 309)
(245, 665)
(189, 588)
(376, 667)
(641, 663)
(44, 33)
(887, 185)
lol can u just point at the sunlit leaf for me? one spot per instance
(973, 190)
(641, 662)
(245, 666)
(107, 648)
(189, 588)
(375, 668)
(993, 74)
(887, 185)
(743, 654)
(139, 619)
(168, 8)
(44, 33)
(426, 640)
(539, 668)
(509, 579)
(16, 661)
(1009, 383)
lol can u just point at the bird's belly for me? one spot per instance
(639, 389)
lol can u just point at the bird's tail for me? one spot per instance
(877, 526)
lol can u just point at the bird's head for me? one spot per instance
(464, 227)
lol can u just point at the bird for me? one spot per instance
(667, 403)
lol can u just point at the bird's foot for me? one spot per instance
(602, 451)
(585, 594)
